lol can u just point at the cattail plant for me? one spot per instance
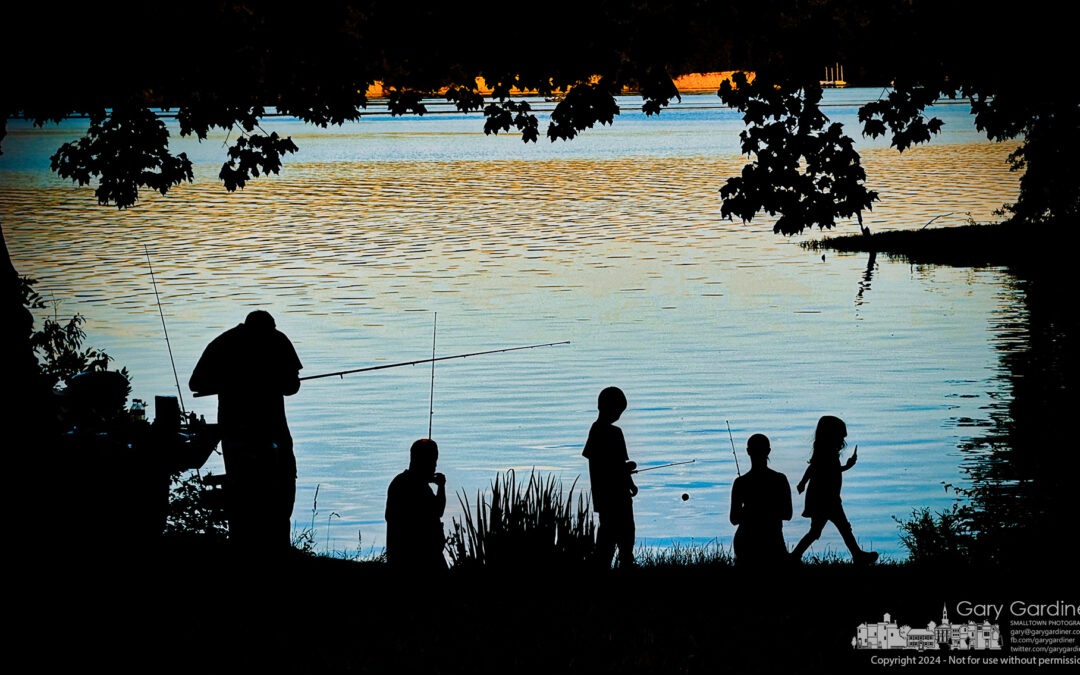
(533, 523)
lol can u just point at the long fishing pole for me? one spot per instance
(663, 466)
(341, 373)
(733, 453)
(166, 330)
(431, 401)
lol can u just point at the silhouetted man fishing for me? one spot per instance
(251, 368)
(414, 530)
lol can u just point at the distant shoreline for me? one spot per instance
(1008, 243)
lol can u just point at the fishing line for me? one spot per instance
(431, 400)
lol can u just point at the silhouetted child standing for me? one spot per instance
(823, 496)
(760, 503)
(612, 488)
(414, 530)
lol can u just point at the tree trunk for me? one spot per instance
(29, 396)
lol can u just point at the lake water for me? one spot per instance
(614, 242)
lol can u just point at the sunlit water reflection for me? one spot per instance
(613, 241)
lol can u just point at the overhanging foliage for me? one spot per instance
(223, 64)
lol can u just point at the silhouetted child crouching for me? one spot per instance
(414, 529)
(760, 503)
(823, 496)
(612, 488)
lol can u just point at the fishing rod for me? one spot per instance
(431, 401)
(663, 466)
(166, 330)
(733, 453)
(342, 373)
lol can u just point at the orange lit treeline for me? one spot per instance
(686, 84)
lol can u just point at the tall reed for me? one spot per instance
(531, 523)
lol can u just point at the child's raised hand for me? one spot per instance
(854, 457)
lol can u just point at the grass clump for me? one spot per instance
(710, 554)
(527, 524)
(306, 542)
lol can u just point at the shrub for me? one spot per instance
(196, 509)
(945, 539)
(59, 346)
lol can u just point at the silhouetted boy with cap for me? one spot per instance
(612, 488)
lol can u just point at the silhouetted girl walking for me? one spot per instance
(823, 495)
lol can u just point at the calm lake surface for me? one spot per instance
(614, 242)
